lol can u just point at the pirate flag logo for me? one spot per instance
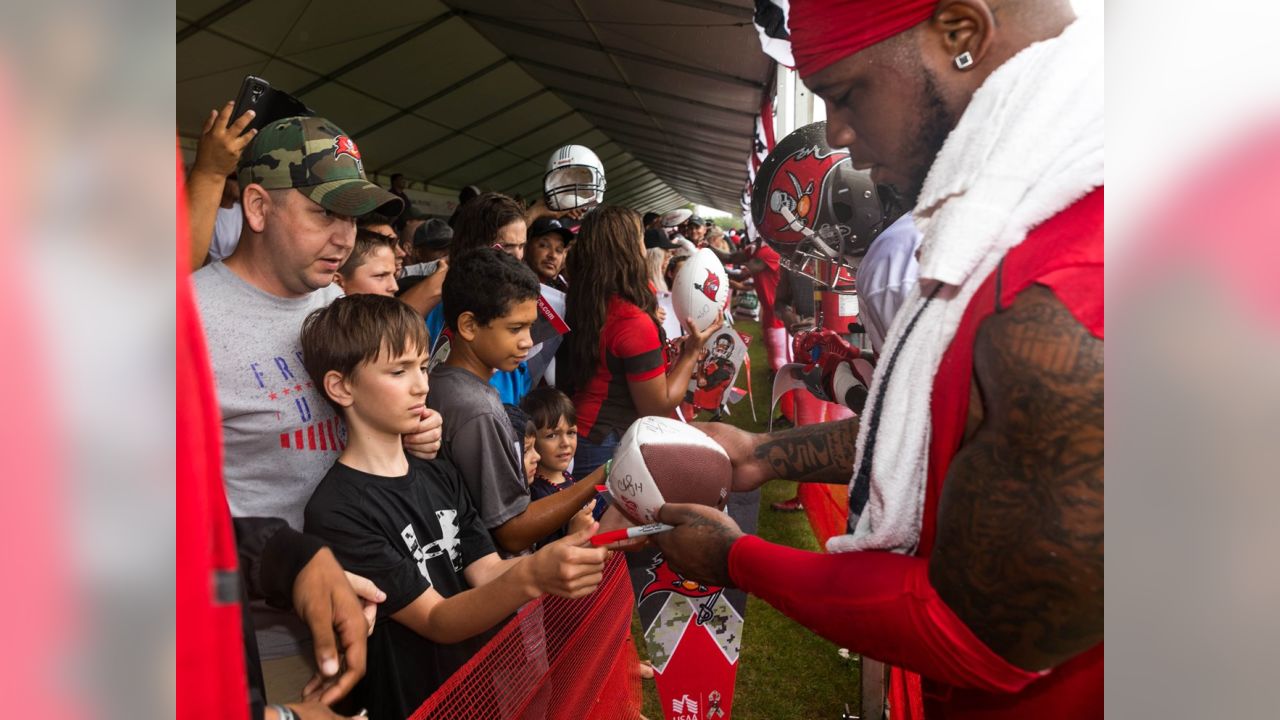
(343, 145)
(710, 286)
(792, 211)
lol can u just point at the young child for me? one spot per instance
(553, 439)
(556, 424)
(525, 429)
(409, 525)
(490, 304)
(371, 266)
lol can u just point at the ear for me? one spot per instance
(257, 203)
(467, 326)
(338, 388)
(963, 26)
(337, 278)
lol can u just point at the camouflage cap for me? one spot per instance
(320, 160)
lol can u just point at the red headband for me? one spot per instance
(824, 31)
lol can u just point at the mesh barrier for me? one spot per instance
(557, 659)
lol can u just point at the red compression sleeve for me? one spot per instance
(877, 604)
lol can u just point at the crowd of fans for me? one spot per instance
(378, 409)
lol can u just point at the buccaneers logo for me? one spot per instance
(664, 579)
(343, 145)
(793, 206)
(710, 286)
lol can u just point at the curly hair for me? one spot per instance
(486, 283)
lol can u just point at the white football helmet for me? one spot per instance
(574, 179)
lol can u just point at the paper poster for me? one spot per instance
(716, 371)
(671, 323)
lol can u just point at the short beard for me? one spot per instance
(936, 123)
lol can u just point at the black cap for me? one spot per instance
(546, 226)
(655, 238)
(434, 234)
(695, 220)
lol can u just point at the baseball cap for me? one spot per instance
(434, 234)
(656, 238)
(675, 218)
(695, 220)
(547, 225)
(317, 158)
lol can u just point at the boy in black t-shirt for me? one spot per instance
(407, 524)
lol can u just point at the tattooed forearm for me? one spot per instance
(820, 453)
(1019, 553)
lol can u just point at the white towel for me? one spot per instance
(1029, 145)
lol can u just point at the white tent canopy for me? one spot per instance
(471, 92)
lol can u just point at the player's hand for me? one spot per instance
(324, 599)
(425, 441)
(750, 470)
(569, 567)
(219, 147)
(699, 546)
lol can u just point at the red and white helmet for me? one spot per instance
(811, 206)
(574, 179)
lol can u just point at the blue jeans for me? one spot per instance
(591, 456)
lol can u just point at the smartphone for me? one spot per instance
(268, 103)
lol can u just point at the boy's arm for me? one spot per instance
(562, 568)
(542, 517)
(424, 296)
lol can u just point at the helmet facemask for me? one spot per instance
(574, 179)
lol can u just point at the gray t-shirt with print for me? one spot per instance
(279, 435)
(480, 442)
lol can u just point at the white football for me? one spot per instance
(661, 460)
(700, 289)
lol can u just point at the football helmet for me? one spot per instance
(811, 206)
(574, 179)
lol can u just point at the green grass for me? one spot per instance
(784, 671)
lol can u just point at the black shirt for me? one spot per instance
(406, 534)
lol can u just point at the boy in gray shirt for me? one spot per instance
(490, 304)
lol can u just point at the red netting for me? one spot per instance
(557, 659)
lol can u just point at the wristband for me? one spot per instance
(284, 712)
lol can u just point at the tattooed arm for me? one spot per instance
(1019, 554)
(820, 453)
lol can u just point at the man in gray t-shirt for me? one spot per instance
(279, 435)
(302, 186)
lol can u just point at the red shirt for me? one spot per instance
(210, 660)
(630, 350)
(882, 604)
(1065, 255)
